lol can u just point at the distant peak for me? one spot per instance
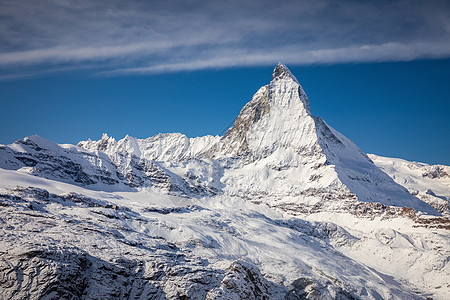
(281, 71)
(105, 138)
(40, 141)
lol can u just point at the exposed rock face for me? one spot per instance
(234, 142)
(242, 281)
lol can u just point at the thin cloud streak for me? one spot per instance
(65, 54)
(367, 53)
(115, 38)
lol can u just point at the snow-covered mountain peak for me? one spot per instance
(105, 142)
(281, 71)
(276, 118)
(35, 142)
(287, 91)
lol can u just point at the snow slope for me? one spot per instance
(430, 183)
(147, 245)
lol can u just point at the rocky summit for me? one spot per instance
(282, 206)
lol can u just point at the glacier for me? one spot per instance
(282, 206)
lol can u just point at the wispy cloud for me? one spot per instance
(138, 37)
(366, 53)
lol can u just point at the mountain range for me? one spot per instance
(282, 206)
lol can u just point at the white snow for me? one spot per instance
(431, 183)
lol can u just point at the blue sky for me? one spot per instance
(377, 71)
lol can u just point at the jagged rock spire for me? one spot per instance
(281, 71)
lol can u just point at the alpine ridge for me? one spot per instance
(276, 152)
(282, 206)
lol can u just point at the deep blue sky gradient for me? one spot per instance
(398, 109)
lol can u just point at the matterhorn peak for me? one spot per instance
(287, 89)
(281, 71)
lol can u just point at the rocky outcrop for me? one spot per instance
(242, 281)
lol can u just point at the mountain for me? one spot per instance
(276, 152)
(430, 183)
(282, 206)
